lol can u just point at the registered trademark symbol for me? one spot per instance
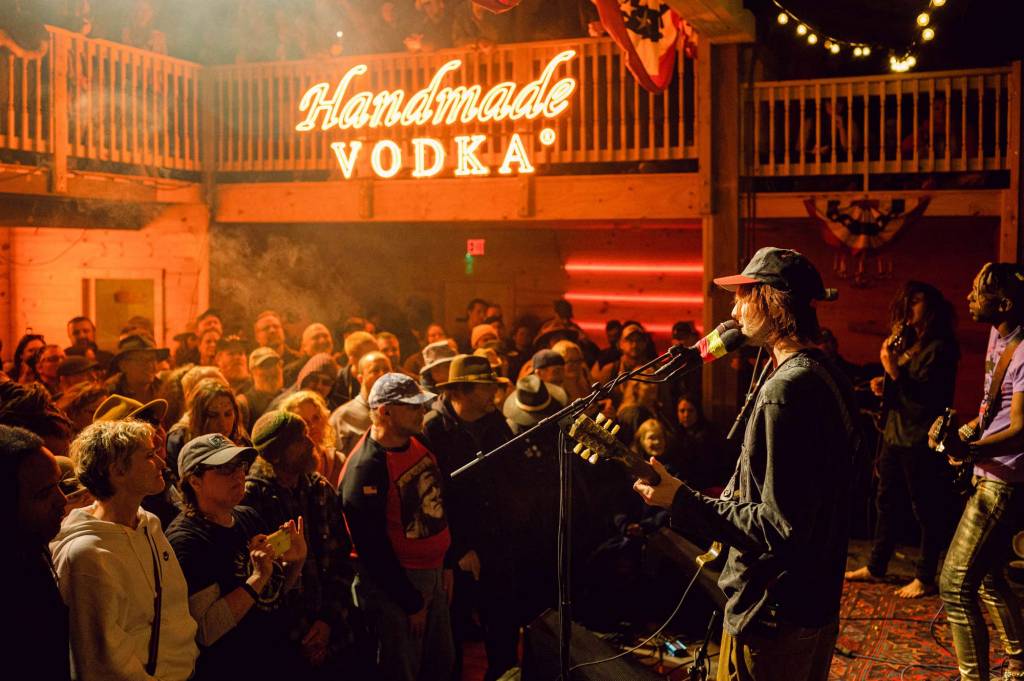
(547, 137)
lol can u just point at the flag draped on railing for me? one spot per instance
(497, 6)
(648, 32)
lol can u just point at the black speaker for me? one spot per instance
(540, 655)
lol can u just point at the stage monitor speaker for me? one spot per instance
(540, 655)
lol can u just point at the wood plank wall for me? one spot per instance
(42, 271)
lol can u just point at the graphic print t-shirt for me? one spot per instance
(211, 554)
(416, 522)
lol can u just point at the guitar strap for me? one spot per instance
(991, 405)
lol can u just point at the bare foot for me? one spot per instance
(862, 575)
(916, 589)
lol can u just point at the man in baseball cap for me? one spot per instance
(802, 434)
(391, 497)
(211, 451)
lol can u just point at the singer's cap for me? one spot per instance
(782, 269)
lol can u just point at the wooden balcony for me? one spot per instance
(939, 122)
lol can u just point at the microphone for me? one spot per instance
(830, 295)
(725, 338)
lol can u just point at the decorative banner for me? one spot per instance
(497, 6)
(647, 31)
(865, 224)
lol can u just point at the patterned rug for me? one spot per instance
(891, 637)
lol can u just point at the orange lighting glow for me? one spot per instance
(636, 267)
(642, 298)
(598, 327)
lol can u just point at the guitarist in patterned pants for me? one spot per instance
(981, 546)
(785, 512)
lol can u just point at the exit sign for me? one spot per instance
(475, 246)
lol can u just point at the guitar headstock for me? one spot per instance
(595, 438)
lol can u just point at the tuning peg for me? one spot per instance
(593, 458)
(599, 419)
(578, 449)
(615, 429)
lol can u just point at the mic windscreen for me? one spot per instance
(724, 339)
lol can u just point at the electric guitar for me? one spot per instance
(596, 440)
(899, 343)
(967, 433)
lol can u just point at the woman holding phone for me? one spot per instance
(240, 581)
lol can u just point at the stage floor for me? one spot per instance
(884, 636)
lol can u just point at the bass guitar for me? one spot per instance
(941, 431)
(596, 440)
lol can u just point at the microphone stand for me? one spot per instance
(577, 406)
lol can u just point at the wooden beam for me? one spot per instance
(946, 203)
(719, 21)
(33, 181)
(669, 196)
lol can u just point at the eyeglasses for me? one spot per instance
(229, 468)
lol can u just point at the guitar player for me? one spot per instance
(785, 512)
(920, 379)
(981, 546)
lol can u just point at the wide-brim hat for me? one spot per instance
(436, 354)
(554, 327)
(470, 369)
(72, 365)
(138, 343)
(119, 407)
(532, 400)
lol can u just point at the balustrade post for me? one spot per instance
(1009, 223)
(59, 111)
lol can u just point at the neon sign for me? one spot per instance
(436, 105)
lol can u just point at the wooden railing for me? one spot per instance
(956, 121)
(610, 118)
(101, 101)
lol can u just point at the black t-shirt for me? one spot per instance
(211, 554)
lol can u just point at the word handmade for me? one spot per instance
(434, 104)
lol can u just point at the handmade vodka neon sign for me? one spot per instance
(436, 105)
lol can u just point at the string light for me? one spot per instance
(860, 50)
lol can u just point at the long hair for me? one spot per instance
(292, 403)
(205, 392)
(785, 315)
(939, 318)
(641, 432)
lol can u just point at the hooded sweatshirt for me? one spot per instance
(106, 576)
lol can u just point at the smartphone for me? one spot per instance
(280, 541)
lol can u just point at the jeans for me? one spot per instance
(974, 566)
(790, 653)
(402, 656)
(924, 476)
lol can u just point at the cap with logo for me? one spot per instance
(210, 450)
(261, 356)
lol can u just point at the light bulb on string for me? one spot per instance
(783, 18)
(857, 51)
(801, 30)
(865, 51)
(811, 39)
(938, 3)
(923, 19)
(927, 34)
(834, 48)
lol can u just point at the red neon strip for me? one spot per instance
(576, 296)
(636, 267)
(598, 327)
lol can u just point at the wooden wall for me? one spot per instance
(326, 272)
(945, 252)
(42, 271)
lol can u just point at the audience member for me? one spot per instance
(481, 335)
(700, 454)
(352, 419)
(79, 403)
(126, 594)
(316, 339)
(239, 585)
(82, 334)
(75, 369)
(550, 366)
(282, 485)
(44, 365)
(312, 409)
(28, 345)
(357, 344)
(207, 347)
(212, 409)
(135, 369)
(577, 379)
(391, 495)
(436, 358)
(388, 344)
(33, 500)
(30, 407)
(267, 383)
(231, 359)
(269, 333)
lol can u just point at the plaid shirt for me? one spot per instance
(327, 572)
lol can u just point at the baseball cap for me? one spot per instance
(261, 355)
(395, 388)
(629, 329)
(547, 358)
(210, 450)
(782, 269)
(72, 365)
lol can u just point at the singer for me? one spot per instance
(783, 513)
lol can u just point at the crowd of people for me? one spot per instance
(246, 31)
(240, 508)
(184, 464)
